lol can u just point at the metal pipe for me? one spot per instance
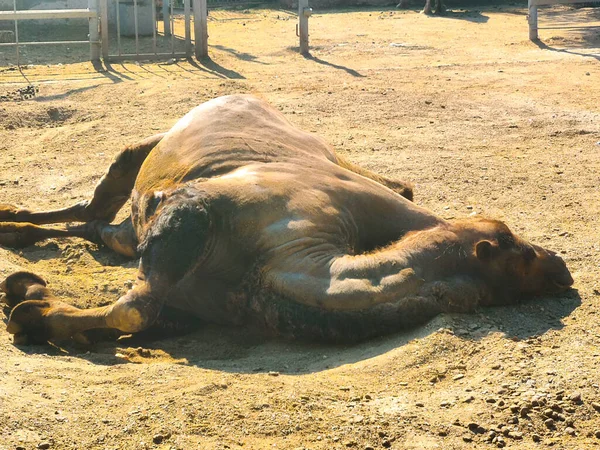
(119, 27)
(154, 26)
(172, 22)
(188, 28)
(135, 24)
(16, 33)
(8, 44)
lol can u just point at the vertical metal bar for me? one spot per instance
(154, 26)
(93, 31)
(172, 20)
(16, 34)
(119, 26)
(201, 28)
(303, 15)
(188, 28)
(533, 20)
(104, 27)
(166, 19)
(135, 25)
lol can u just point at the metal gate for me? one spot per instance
(145, 29)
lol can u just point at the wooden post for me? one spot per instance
(201, 28)
(166, 17)
(304, 12)
(533, 20)
(104, 27)
(94, 35)
(188, 30)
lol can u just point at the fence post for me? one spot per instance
(304, 12)
(166, 17)
(188, 31)
(201, 28)
(104, 27)
(94, 35)
(533, 20)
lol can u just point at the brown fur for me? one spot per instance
(242, 217)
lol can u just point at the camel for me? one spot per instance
(440, 9)
(238, 217)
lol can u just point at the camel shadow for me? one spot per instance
(244, 350)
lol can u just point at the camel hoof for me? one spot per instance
(10, 213)
(16, 235)
(21, 286)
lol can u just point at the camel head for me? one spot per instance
(511, 267)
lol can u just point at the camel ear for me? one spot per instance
(485, 250)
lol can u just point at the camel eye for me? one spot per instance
(529, 254)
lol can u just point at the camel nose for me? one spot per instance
(561, 277)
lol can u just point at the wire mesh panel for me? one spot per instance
(146, 29)
(48, 36)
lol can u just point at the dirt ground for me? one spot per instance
(481, 120)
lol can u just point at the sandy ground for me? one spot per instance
(479, 118)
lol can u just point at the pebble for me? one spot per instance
(273, 374)
(350, 444)
(458, 377)
(536, 437)
(369, 447)
(467, 438)
(468, 399)
(490, 400)
(515, 435)
(525, 412)
(576, 398)
(476, 428)
(514, 408)
(419, 404)
(549, 423)
(570, 431)
(597, 434)
(43, 445)
(596, 406)
(158, 438)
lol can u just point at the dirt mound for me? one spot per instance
(27, 117)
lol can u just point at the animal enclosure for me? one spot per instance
(481, 120)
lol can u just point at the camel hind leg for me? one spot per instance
(405, 189)
(111, 193)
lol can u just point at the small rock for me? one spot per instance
(458, 377)
(548, 412)
(273, 374)
(476, 428)
(536, 437)
(386, 444)
(570, 431)
(515, 435)
(597, 434)
(419, 404)
(368, 397)
(514, 409)
(549, 423)
(43, 445)
(490, 400)
(350, 444)
(158, 438)
(576, 398)
(442, 433)
(500, 443)
(524, 413)
(369, 447)
(496, 366)
(468, 399)
(596, 406)
(467, 438)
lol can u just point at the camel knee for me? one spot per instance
(134, 312)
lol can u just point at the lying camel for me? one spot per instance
(440, 9)
(239, 217)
